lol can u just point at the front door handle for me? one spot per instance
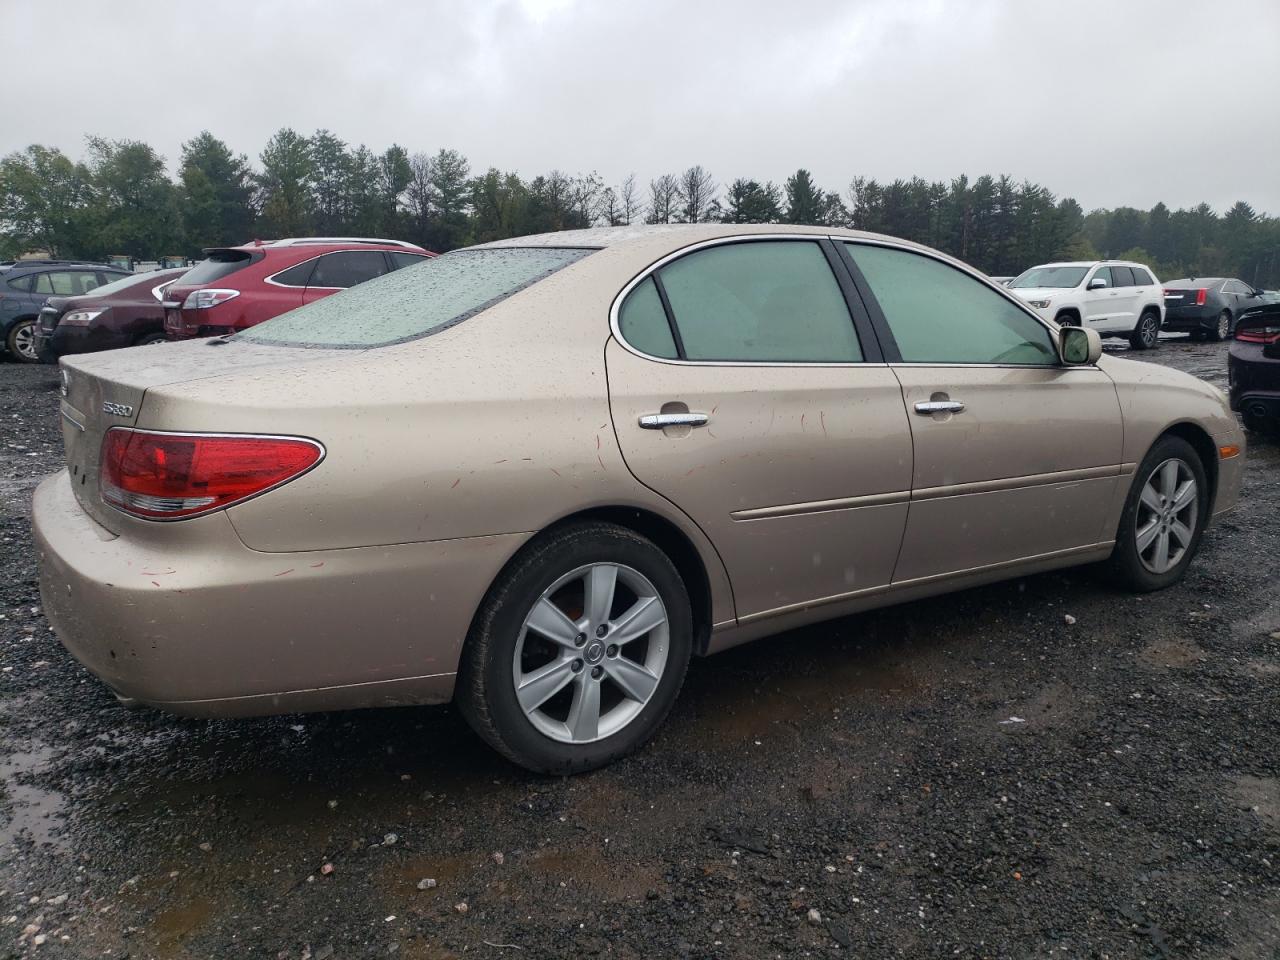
(656, 421)
(927, 407)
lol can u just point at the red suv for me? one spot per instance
(236, 287)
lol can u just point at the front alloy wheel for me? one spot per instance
(1222, 327)
(579, 649)
(1167, 512)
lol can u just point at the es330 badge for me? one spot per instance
(117, 409)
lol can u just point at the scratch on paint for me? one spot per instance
(316, 566)
(802, 416)
(496, 462)
(154, 583)
(283, 572)
(597, 441)
(455, 483)
(715, 408)
(822, 418)
(602, 466)
(555, 471)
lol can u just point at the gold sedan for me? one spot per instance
(537, 476)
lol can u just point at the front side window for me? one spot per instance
(348, 268)
(768, 301)
(938, 314)
(69, 283)
(409, 304)
(1103, 274)
(1234, 286)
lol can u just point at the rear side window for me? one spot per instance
(1121, 277)
(643, 322)
(296, 276)
(399, 260)
(1142, 278)
(409, 304)
(22, 283)
(348, 268)
(938, 314)
(219, 264)
(769, 301)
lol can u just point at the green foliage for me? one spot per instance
(121, 200)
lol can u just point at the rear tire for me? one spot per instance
(149, 340)
(21, 341)
(1159, 509)
(1147, 333)
(1222, 327)
(516, 643)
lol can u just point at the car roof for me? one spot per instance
(314, 246)
(55, 264)
(1200, 280)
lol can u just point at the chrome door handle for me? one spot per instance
(927, 407)
(656, 421)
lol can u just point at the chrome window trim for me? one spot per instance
(657, 265)
(289, 286)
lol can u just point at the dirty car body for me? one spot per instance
(556, 466)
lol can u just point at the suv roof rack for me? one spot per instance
(42, 262)
(302, 241)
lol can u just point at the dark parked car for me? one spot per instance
(24, 288)
(127, 312)
(1253, 368)
(1207, 306)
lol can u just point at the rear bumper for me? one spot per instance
(63, 341)
(1189, 318)
(197, 623)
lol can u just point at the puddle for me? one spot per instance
(33, 813)
(1172, 653)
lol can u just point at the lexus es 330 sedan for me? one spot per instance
(537, 476)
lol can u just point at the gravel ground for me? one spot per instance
(859, 788)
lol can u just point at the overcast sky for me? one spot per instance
(1116, 102)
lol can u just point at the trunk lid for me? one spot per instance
(105, 390)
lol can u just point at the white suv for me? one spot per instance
(1114, 297)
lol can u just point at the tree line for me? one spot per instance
(120, 199)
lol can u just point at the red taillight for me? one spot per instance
(1200, 295)
(165, 476)
(1259, 334)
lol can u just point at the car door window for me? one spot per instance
(767, 301)
(400, 260)
(1121, 277)
(348, 268)
(42, 284)
(1235, 286)
(296, 276)
(939, 314)
(643, 323)
(1103, 274)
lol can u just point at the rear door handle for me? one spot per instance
(656, 421)
(927, 407)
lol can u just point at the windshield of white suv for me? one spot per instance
(1061, 277)
(415, 301)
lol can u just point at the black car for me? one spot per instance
(1207, 306)
(1253, 368)
(27, 284)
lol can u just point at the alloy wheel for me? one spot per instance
(1224, 325)
(591, 653)
(1150, 330)
(24, 341)
(1167, 512)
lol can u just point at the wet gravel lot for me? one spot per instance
(970, 776)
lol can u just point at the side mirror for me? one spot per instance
(1097, 283)
(1079, 346)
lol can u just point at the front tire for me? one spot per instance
(578, 651)
(1147, 333)
(1164, 518)
(149, 340)
(1221, 328)
(22, 341)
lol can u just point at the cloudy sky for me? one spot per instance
(1115, 102)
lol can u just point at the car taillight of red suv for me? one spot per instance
(238, 287)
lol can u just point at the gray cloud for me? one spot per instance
(1113, 103)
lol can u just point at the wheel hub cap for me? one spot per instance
(1166, 517)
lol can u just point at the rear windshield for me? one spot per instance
(1059, 277)
(219, 264)
(415, 301)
